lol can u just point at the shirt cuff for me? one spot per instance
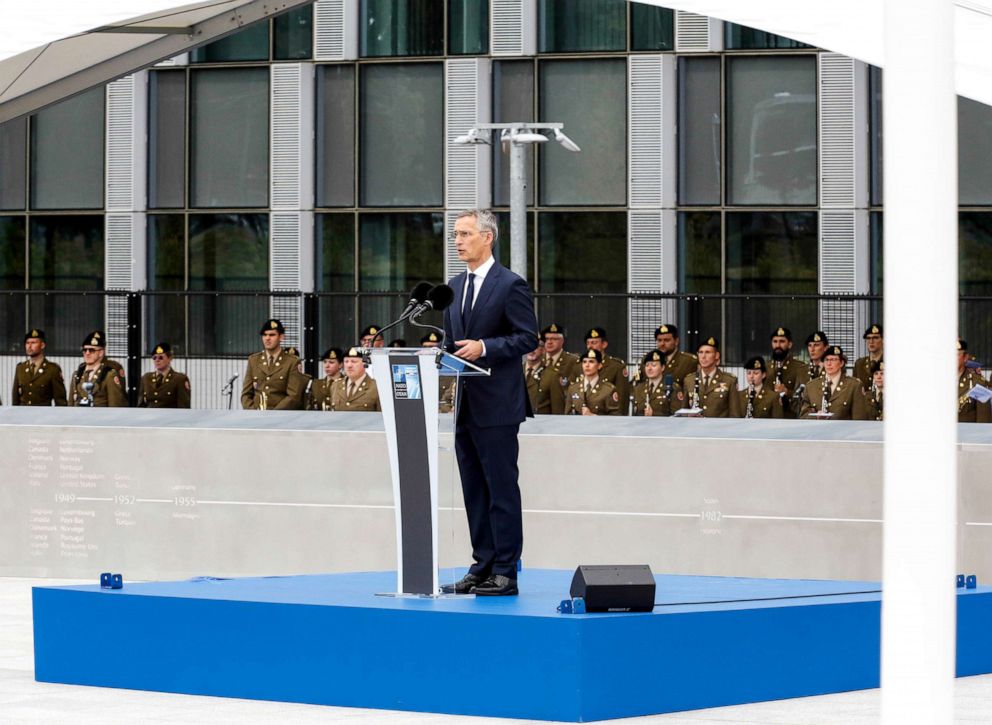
(483, 342)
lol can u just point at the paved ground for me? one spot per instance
(22, 700)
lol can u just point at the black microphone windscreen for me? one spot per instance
(668, 380)
(420, 292)
(441, 296)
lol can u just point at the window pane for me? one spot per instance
(974, 152)
(590, 98)
(292, 34)
(252, 43)
(740, 37)
(335, 253)
(67, 154)
(13, 157)
(513, 102)
(402, 27)
(975, 253)
(875, 132)
(230, 138)
(700, 272)
(336, 135)
(166, 314)
(772, 142)
(700, 131)
(769, 253)
(576, 25)
(396, 251)
(66, 252)
(402, 135)
(167, 139)
(584, 252)
(227, 252)
(468, 27)
(12, 277)
(652, 28)
(877, 247)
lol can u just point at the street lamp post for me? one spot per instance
(518, 136)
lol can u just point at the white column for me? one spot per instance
(918, 610)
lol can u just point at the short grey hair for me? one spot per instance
(485, 220)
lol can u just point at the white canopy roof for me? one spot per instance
(855, 28)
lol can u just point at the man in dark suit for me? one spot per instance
(492, 324)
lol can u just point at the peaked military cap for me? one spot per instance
(818, 336)
(163, 348)
(962, 344)
(783, 332)
(554, 328)
(666, 330)
(710, 342)
(756, 363)
(430, 337)
(835, 350)
(272, 324)
(333, 353)
(34, 334)
(596, 333)
(95, 339)
(370, 330)
(591, 354)
(873, 330)
(353, 352)
(876, 366)
(654, 356)
(292, 351)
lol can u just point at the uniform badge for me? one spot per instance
(187, 385)
(575, 396)
(680, 395)
(564, 381)
(625, 371)
(616, 398)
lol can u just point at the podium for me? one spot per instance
(409, 384)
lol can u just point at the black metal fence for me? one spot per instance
(212, 332)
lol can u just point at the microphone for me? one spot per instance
(417, 295)
(437, 299)
(668, 386)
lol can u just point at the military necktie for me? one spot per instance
(351, 389)
(469, 301)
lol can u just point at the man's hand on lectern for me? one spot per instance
(469, 349)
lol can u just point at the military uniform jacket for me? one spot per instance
(163, 391)
(681, 365)
(108, 387)
(862, 370)
(365, 397)
(276, 383)
(320, 393)
(43, 385)
(567, 370)
(446, 395)
(766, 404)
(601, 399)
(718, 398)
(971, 411)
(541, 382)
(847, 400)
(792, 373)
(875, 405)
(662, 402)
(615, 371)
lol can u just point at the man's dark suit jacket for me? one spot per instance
(503, 318)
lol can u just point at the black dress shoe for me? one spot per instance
(496, 586)
(464, 585)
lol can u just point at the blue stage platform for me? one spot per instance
(329, 640)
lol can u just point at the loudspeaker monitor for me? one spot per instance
(615, 588)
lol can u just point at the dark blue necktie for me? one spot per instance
(469, 300)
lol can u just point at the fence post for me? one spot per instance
(134, 346)
(311, 334)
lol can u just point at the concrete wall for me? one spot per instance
(160, 494)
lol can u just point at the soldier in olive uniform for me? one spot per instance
(540, 379)
(96, 382)
(300, 381)
(37, 380)
(969, 409)
(655, 393)
(370, 334)
(446, 385)
(710, 389)
(862, 366)
(564, 364)
(614, 368)
(678, 364)
(592, 395)
(356, 391)
(320, 393)
(833, 392)
(816, 345)
(163, 388)
(758, 400)
(875, 397)
(271, 379)
(789, 373)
